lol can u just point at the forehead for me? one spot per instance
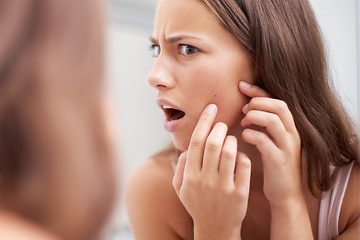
(191, 16)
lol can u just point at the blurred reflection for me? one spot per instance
(56, 165)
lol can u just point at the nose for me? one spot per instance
(161, 76)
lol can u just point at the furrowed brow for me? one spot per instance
(153, 40)
(173, 39)
(179, 38)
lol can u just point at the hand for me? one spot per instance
(279, 144)
(212, 191)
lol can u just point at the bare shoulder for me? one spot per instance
(154, 210)
(349, 223)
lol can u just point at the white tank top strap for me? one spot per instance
(330, 205)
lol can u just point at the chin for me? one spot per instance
(180, 143)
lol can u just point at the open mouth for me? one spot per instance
(173, 114)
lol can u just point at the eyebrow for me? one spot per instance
(173, 39)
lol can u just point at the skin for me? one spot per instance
(243, 127)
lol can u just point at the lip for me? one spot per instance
(169, 125)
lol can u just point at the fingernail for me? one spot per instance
(210, 108)
(245, 108)
(242, 121)
(245, 84)
(173, 166)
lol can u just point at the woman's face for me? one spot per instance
(198, 62)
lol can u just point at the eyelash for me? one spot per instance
(155, 47)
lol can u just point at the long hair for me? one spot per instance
(285, 43)
(55, 158)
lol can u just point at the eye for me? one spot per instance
(187, 50)
(155, 49)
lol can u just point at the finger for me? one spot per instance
(263, 143)
(198, 138)
(179, 172)
(242, 174)
(252, 90)
(273, 124)
(213, 147)
(275, 106)
(228, 160)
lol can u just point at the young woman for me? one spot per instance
(55, 157)
(268, 152)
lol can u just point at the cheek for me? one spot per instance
(224, 92)
(206, 83)
(215, 83)
(230, 103)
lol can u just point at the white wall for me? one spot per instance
(140, 120)
(338, 22)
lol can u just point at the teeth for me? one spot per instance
(166, 107)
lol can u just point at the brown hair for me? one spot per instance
(55, 158)
(285, 42)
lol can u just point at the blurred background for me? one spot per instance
(129, 60)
